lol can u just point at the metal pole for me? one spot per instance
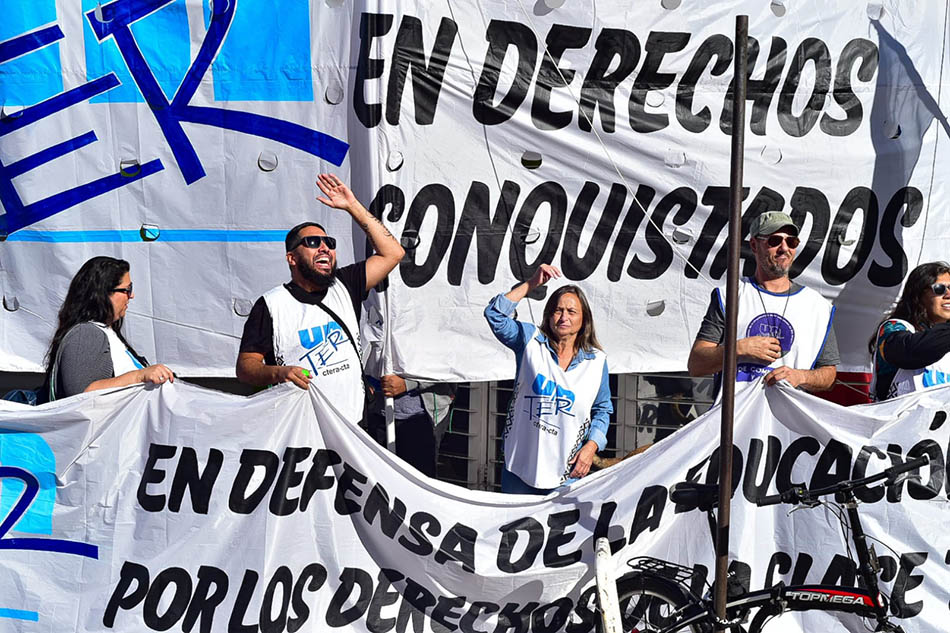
(389, 411)
(732, 301)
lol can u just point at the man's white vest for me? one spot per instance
(549, 415)
(122, 359)
(307, 336)
(910, 380)
(801, 322)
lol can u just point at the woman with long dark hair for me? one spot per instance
(88, 350)
(911, 348)
(560, 406)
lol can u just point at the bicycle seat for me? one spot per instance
(695, 495)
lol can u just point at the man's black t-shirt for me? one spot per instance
(258, 334)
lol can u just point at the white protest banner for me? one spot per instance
(490, 136)
(178, 508)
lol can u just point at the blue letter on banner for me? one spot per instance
(117, 19)
(164, 41)
(17, 215)
(254, 68)
(36, 73)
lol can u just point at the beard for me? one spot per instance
(315, 277)
(776, 269)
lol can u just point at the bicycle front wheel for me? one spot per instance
(649, 604)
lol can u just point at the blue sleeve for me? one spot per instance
(886, 329)
(600, 413)
(513, 334)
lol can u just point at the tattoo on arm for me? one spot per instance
(365, 226)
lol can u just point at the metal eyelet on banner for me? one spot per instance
(771, 155)
(674, 158)
(334, 93)
(215, 10)
(656, 308)
(242, 307)
(100, 15)
(10, 111)
(681, 236)
(149, 232)
(410, 240)
(528, 235)
(267, 161)
(655, 99)
(130, 167)
(394, 161)
(530, 159)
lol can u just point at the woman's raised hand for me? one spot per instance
(544, 274)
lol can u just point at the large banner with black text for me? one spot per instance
(490, 136)
(179, 508)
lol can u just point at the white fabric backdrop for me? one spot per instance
(844, 133)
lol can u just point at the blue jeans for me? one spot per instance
(513, 484)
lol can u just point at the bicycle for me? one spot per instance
(657, 596)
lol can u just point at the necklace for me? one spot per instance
(775, 326)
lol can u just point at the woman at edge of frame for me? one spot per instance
(910, 349)
(560, 405)
(88, 351)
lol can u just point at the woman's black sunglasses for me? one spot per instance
(314, 241)
(939, 289)
(125, 291)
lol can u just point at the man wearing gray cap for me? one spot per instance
(784, 330)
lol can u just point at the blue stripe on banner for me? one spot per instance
(20, 614)
(24, 44)
(165, 235)
(250, 67)
(163, 38)
(37, 75)
(50, 153)
(60, 546)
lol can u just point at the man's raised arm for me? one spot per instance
(388, 250)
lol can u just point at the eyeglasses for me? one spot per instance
(314, 241)
(125, 291)
(939, 289)
(790, 240)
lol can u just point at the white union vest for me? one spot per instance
(800, 321)
(122, 359)
(307, 336)
(549, 415)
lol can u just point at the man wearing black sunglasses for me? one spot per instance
(784, 329)
(307, 330)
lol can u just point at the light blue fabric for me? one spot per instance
(516, 335)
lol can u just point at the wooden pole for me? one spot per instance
(732, 301)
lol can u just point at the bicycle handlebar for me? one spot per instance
(913, 464)
(798, 494)
(771, 500)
